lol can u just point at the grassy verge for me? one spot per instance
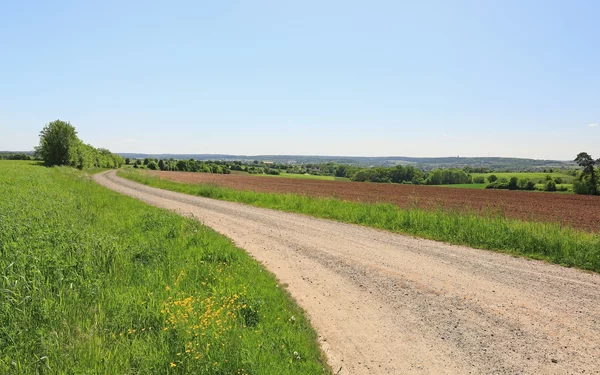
(92, 282)
(547, 241)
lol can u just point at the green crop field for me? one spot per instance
(533, 176)
(547, 241)
(92, 282)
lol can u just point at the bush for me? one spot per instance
(529, 185)
(550, 186)
(479, 180)
(498, 184)
(581, 187)
(153, 165)
(492, 178)
(558, 180)
(512, 184)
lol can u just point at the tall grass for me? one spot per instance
(548, 241)
(92, 282)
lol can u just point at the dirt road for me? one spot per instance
(383, 303)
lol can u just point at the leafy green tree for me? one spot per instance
(153, 165)
(512, 183)
(398, 174)
(161, 165)
(588, 175)
(57, 140)
(193, 166)
(127, 161)
(182, 165)
(492, 178)
(146, 161)
(448, 176)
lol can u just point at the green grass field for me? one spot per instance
(482, 186)
(547, 241)
(92, 282)
(533, 176)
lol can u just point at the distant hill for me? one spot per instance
(494, 163)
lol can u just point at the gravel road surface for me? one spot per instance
(385, 303)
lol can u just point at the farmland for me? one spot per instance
(546, 207)
(95, 282)
(293, 175)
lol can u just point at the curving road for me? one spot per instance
(384, 303)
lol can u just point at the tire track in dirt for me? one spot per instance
(384, 303)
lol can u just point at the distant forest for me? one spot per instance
(425, 164)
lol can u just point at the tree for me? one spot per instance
(127, 161)
(153, 165)
(57, 140)
(398, 174)
(161, 165)
(512, 184)
(492, 178)
(588, 175)
(182, 165)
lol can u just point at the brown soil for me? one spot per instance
(578, 211)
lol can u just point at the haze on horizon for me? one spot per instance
(383, 78)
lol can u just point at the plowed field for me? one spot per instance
(582, 212)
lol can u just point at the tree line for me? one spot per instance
(190, 165)
(60, 145)
(15, 156)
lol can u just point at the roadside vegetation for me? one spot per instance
(93, 282)
(548, 241)
(59, 145)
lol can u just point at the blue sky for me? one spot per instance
(419, 78)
